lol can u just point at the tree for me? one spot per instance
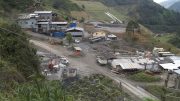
(69, 38)
(15, 48)
(83, 7)
(114, 46)
(132, 26)
(130, 30)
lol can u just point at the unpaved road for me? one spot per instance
(88, 63)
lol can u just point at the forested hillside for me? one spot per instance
(148, 13)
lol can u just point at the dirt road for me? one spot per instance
(88, 64)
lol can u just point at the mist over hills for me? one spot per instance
(168, 3)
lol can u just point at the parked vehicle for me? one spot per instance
(97, 39)
(64, 60)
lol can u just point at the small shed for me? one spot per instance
(77, 50)
(75, 31)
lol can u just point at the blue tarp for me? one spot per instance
(58, 34)
(73, 25)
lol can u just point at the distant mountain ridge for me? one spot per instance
(168, 3)
(175, 6)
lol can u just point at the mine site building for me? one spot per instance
(44, 15)
(58, 26)
(75, 31)
(125, 65)
(28, 21)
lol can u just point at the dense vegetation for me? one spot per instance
(18, 60)
(15, 4)
(66, 5)
(143, 77)
(93, 88)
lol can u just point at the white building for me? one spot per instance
(27, 21)
(41, 21)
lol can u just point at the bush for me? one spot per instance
(143, 77)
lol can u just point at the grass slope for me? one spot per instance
(96, 10)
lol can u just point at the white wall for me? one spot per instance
(27, 23)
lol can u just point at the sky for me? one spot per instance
(158, 1)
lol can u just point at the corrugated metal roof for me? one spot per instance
(27, 16)
(126, 64)
(75, 28)
(42, 12)
(78, 48)
(43, 23)
(170, 66)
(59, 22)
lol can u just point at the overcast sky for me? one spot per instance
(158, 1)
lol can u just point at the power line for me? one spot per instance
(12, 32)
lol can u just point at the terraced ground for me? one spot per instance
(96, 10)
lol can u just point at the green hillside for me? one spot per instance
(148, 13)
(96, 10)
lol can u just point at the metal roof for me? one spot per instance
(174, 58)
(42, 12)
(171, 66)
(177, 71)
(126, 64)
(27, 16)
(111, 36)
(75, 28)
(78, 48)
(43, 23)
(59, 23)
(143, 61)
